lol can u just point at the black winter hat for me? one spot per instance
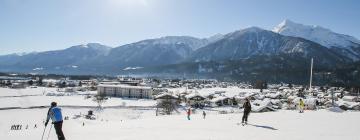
(53, 103)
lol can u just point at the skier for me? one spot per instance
(301, 106)
(188, 114)
(157, 111)
(247, 109)
(204, 114)
(56, 116)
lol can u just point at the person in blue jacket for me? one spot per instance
(56, 116)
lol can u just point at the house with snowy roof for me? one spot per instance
(262, 105)
(195, 100)
(167, 97)
(221, 101)
(351, 98)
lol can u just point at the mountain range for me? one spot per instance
(345, 45)
(185, 54)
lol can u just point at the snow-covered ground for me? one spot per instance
(30, 101)
(8, 92)
(31, 97)
(128, 124)
(118, 122)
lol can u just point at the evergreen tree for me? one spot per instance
(31, 82)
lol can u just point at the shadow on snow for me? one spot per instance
(263, 126)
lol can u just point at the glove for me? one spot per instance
(46, 123)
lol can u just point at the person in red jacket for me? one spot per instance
(188, 113)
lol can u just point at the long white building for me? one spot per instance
(126, 91)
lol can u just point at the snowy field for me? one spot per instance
(117, 122)
(31, 97)
(127, 124)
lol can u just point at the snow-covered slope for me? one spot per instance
(317, 34)
(254, 41)
(346, 45)
(215, 38)
(192, 42)
(55, 60)
(158, 51)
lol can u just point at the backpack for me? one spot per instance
(55, 114)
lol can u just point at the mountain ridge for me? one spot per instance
(346, 45)
(239, 45)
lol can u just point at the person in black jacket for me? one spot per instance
(247, 109)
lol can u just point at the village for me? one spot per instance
(124, 103)
(194, 93)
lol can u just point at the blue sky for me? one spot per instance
(40, 25)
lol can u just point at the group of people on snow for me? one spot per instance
(16, 127)
(247, 110)
(19, 127)
(188, 112)
(54, 113)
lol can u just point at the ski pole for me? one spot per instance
(49, 133)
(42, 137)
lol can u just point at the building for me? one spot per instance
(18, 85)
(195, 100)
(167, 98)
(221, 101)
(14, 82)
(126, 91)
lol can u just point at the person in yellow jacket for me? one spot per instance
(301, 106)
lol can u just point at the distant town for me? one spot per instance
(197, 93)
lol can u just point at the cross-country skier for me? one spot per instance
(188, 112)
(56, 116)
(247, 109)
(301, 106)
(204, 114)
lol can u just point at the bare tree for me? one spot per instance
(100, 99)
(166, 107)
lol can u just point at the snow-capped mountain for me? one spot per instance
(346, 45)
(95, 57)
(54, 60)
(159, 51)
(317, 34)
(192, 42)
(215, 38)
(254, 41)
